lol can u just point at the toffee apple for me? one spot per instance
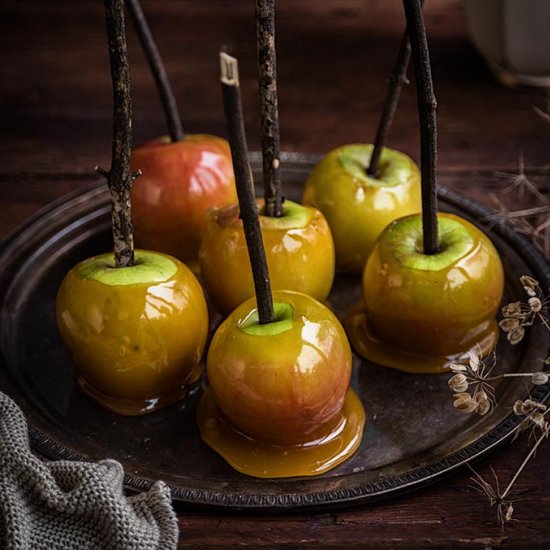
(361, 188)
(298, 242)
(183, 175)
(181, 181)
(357, 206)
(434, 282)
(423, 311)
(134, 322)
(279, 402)
(279, 367)
(299, 251)
(136, 334)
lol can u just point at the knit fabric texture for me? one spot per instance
(66, 505)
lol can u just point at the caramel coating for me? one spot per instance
(135, 346)
(422, 311)
(286, 388)
(180, 182)
(300, 256)
(358, 207)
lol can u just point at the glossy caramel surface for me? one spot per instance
(420, 311)
(180, 182)
(287, 388)
(300, 257)
(357, 207)
(136, 347)
(259, 459)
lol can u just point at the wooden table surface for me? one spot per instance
(334, 55)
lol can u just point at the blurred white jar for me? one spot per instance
(514, 38)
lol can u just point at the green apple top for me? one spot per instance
(421, 311)
(358, 207)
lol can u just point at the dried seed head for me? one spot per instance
(509, 513)
(535, 304)
(458, 383)
(538, 419)
(528, 282)
(539, 378)
(509, 324)
(464, 402)
(516, 336)
(474, 361)
(527, 407)
(462, 368)
(512, 310)
(519, 407)
(483, 403)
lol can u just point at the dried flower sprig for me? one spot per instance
(473, 391)
(505, 508)
(533, 218)
(519, 315)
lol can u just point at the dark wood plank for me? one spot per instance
(334, 57)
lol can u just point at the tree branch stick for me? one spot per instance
(267, 79)
(119, 177)
(166, 93)
(397, 78)
(245, 187)
(428, 125)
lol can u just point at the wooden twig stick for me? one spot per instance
(267, 79)
(428, 124)
(396, 80)
(245, 186)
(119, 177)
(171, 113)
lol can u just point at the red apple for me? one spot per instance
(180, 182)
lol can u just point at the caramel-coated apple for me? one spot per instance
(422, 311)
(299, 250)
(180, 182)
(359, 207)
(136, 334)
(279, 404)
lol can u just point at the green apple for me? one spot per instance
(298, 247)
(421, 311)
(279, 403)
(359, 207)
(136, 334)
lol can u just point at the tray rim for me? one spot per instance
(346, 496)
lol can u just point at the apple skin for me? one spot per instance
(282, 388)
(434, 305)
(180, 182)
(135, 334)
(357, 207)
(299, 250)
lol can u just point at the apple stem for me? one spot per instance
(397, 78)
(267, 80)
(245, 186)
(428, 124)
(171, 113)
(119, 177)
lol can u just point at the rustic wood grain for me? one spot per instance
(334, 56)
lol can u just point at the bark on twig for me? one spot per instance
(245, 187)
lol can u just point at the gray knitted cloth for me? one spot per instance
(73, 505)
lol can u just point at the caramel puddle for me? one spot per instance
(258, 459)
